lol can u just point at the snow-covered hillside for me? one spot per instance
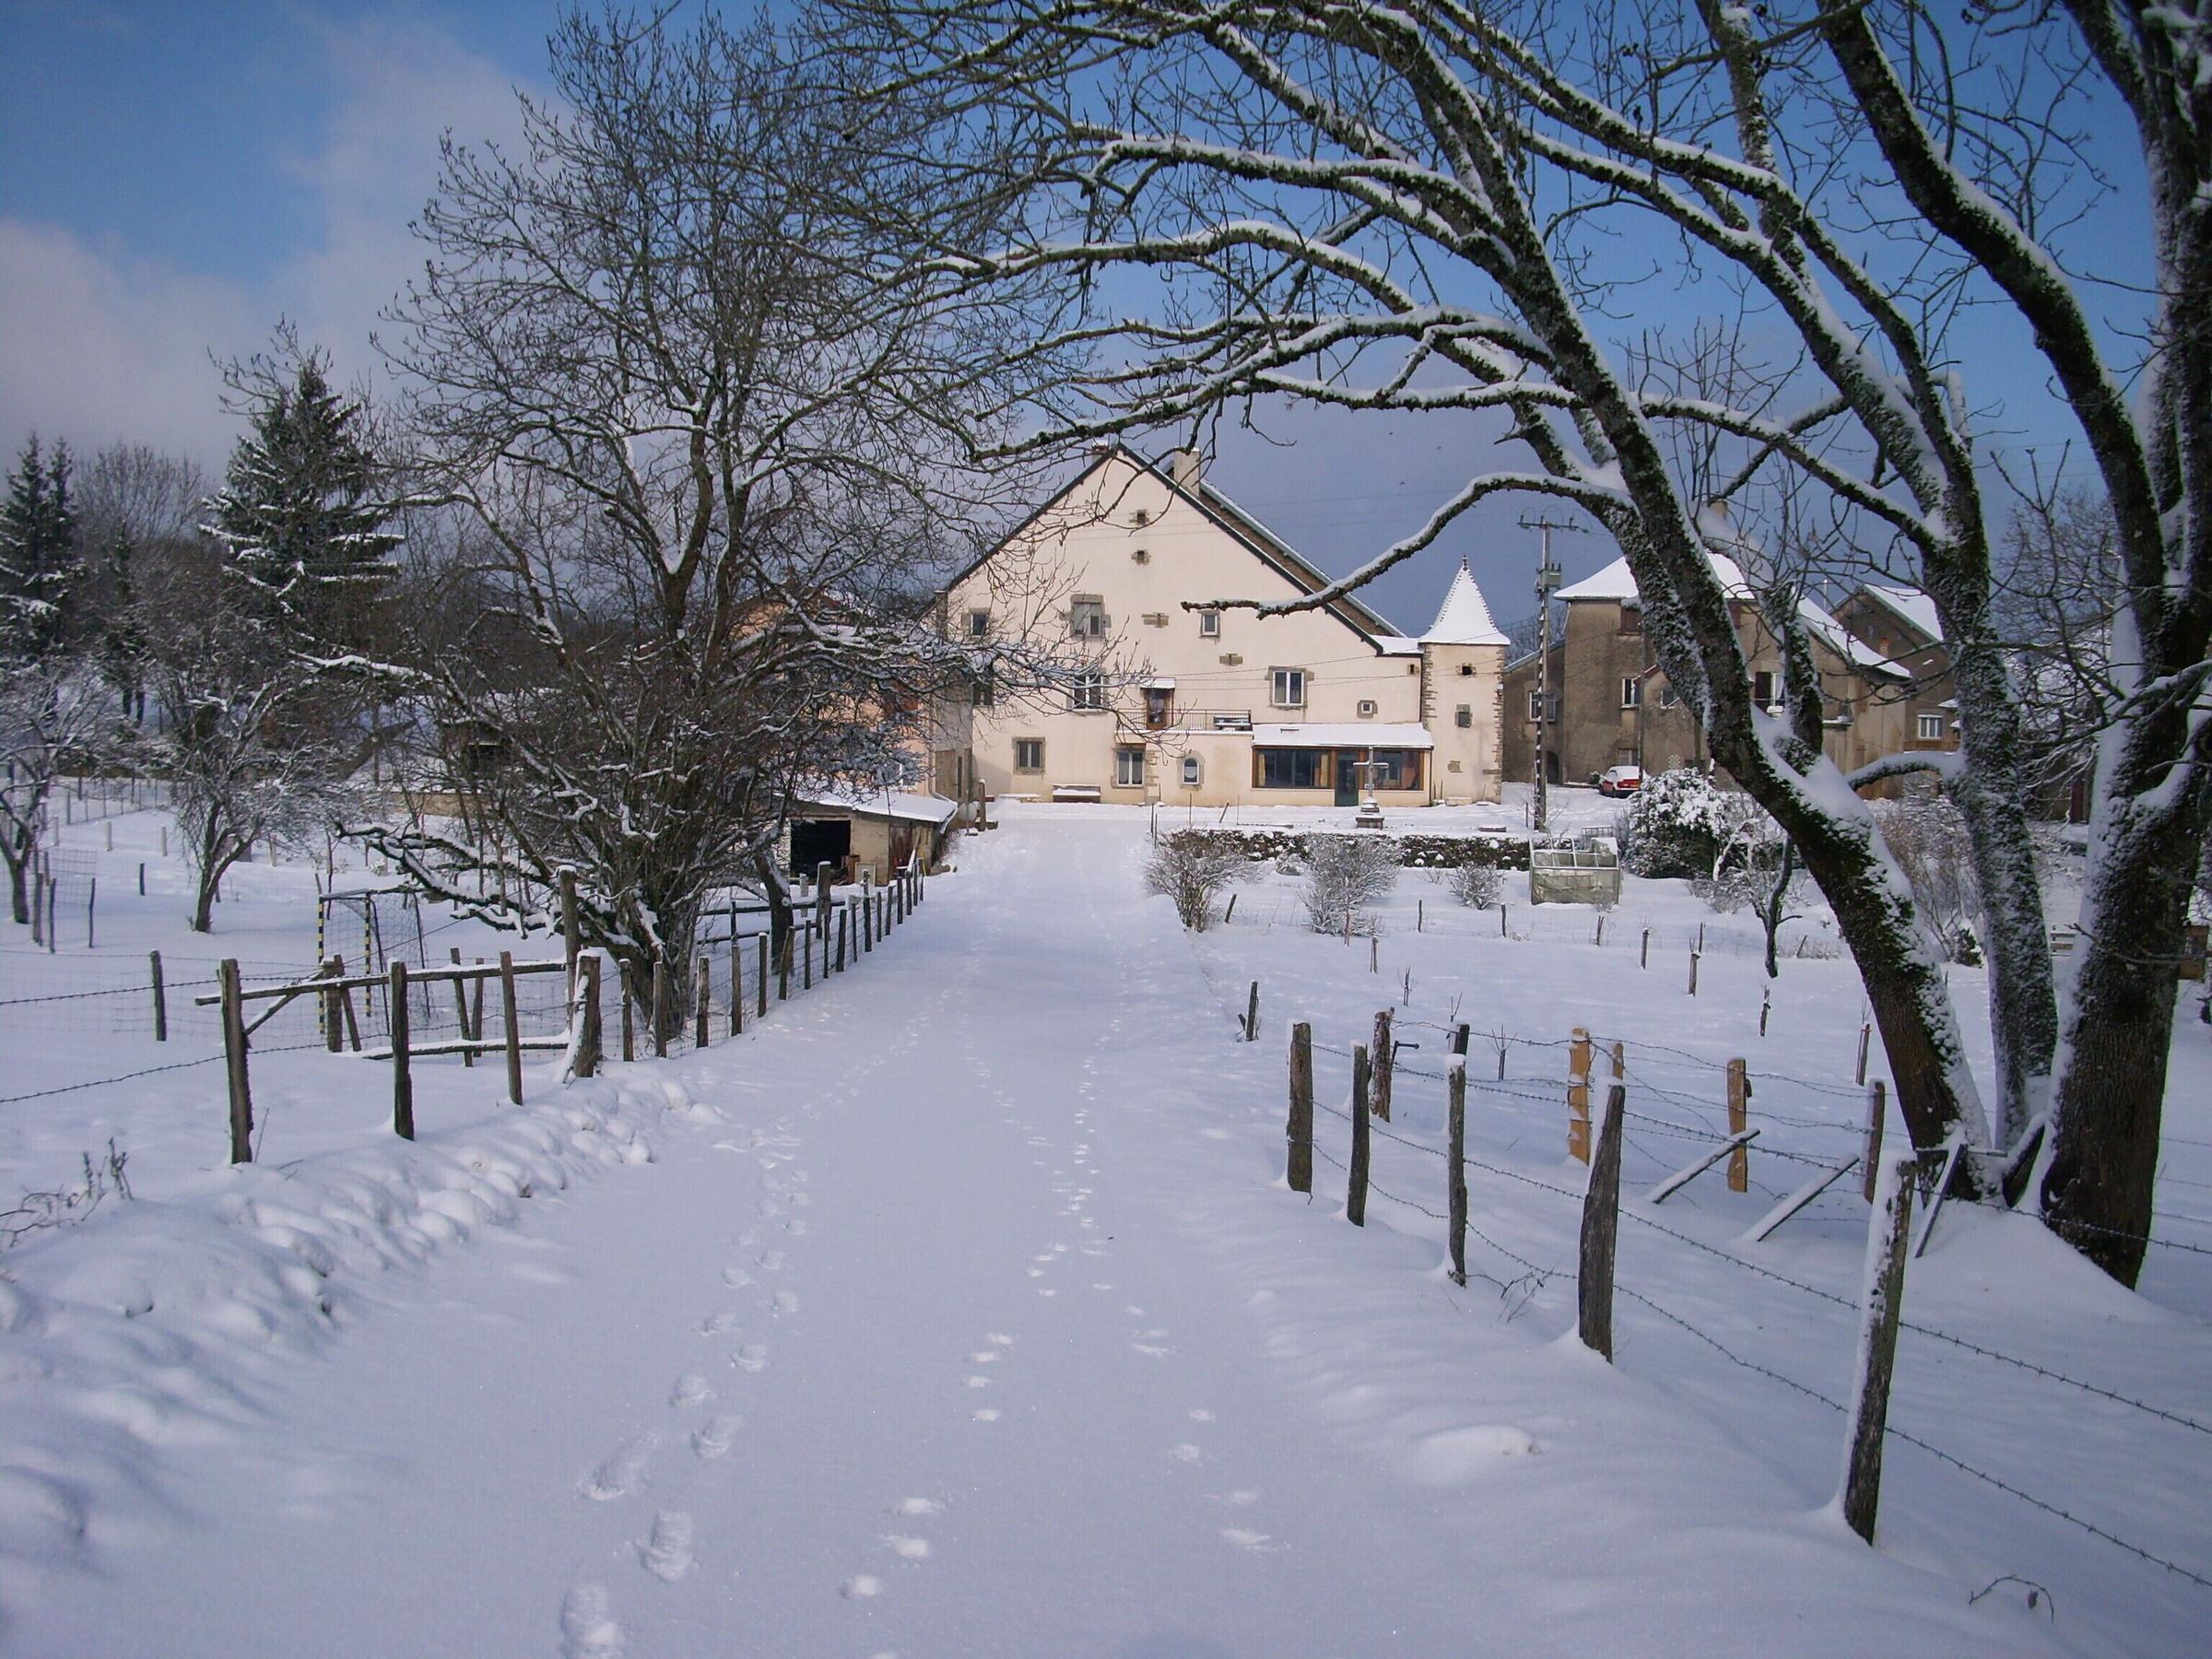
(960, 1308)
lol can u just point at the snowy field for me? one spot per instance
(960, 1308)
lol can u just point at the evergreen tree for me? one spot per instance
(298, 517)
(37, 554)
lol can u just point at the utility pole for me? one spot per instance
(1547, 581)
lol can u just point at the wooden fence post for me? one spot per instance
(660, 1008)
(630, 1011)
(161, 1000)
(1251, 1014)
(1578, 1096)
(784, 968)
(1455, 1164)
(1739, 1099)
(845, 915)
(1866, 1037)
(804, 937)
(141, 878)
(468, 1055)
(821, 899)
(760, 981)
(234, 1055)
(403, 1083)
(1355, 1190)
(1693, 971)
(333, 1036)
(511, 1017)
(1880, 1300)
(1870, 1160)
(1385, 1062)
(92, 906)
(588, 1013)
(1644, 958)
(1300, 1131)
(737, 984)
(1601, 1232)
(702, 997)
(569, 942)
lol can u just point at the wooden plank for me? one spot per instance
(586, 1012)
(1740, 1100)
(511, 1017)
(1455, 1165)
(234, 1056)
(461, 1011)
(1804, 1195)
(1299, 1130)
(1578, 1095)
(1683, 1177)
(1601, 1230)
(403, 1083)
(1354, 1191)
(1881, 1300)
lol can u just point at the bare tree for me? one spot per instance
(1191, 868)
(1347, 876)
(1438, 206)
(138, 509)
(54, 713)
(710, 466)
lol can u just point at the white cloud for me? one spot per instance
(100, 343)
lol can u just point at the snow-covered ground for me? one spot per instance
(960, 1308)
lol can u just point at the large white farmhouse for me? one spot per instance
(1158, 702)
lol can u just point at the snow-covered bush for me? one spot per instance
(1927, 837)
(1474, 884)
(1191, 870)
(1677, 824)
(1347, 875)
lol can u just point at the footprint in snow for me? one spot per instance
(718, 1324)
(714, 1437)
(907, 1549)
(1185, 1453)
(736, 1278)
(768, 1261)
(989, 1414)
(1000, 1338)
(918, 1506)
(752, 1356)
(860, 1587)
(688, 1390)
(587, 1630)
(667, 1553)
(787, 1301)
(619, 1469)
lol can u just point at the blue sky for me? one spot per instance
(175, 176)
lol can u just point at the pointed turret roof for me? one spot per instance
(1464, 617)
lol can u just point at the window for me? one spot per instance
(1028, 754)
(978, 624)
(982, 691)
(1190, 771)
(1289, 687)
(1535, 706)
(1667, 697)
(1140, 555)
(1762, 687)
(1289, 768)
(1159, 706)
(1088, 691)
(1129, 768)
(1464, 719)
(1367, 708)
(1931, 728)
(1086, 617)
(1393, 768)
(1631, 691)
(1631, 619)
(1209, 624)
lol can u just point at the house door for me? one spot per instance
(1349, 777)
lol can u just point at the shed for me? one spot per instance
(872, 829)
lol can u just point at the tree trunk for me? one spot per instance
(2119, 1030)
(778, 902)
(18, 897)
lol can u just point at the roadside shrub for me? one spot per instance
(1479, 885)
(1676, 825)
(1193, 870)
(1347, 876)
(1927, 837)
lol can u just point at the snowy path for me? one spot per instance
(976, 1328)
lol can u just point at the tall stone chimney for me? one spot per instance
(1184, 465)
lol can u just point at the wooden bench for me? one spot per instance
(1076, 792)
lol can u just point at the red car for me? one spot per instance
(1620, 781)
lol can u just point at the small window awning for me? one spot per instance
(1159, 684)
(1364, 734)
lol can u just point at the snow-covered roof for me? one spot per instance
(1464, 619)
(884, 803)
(1397, 645)
(1915, 609)
(1616, 581)
(1362, 734)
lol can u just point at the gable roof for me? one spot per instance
(1241, 526)
(1464, 619)
(1911, 608)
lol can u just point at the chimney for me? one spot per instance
(1184, 466)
